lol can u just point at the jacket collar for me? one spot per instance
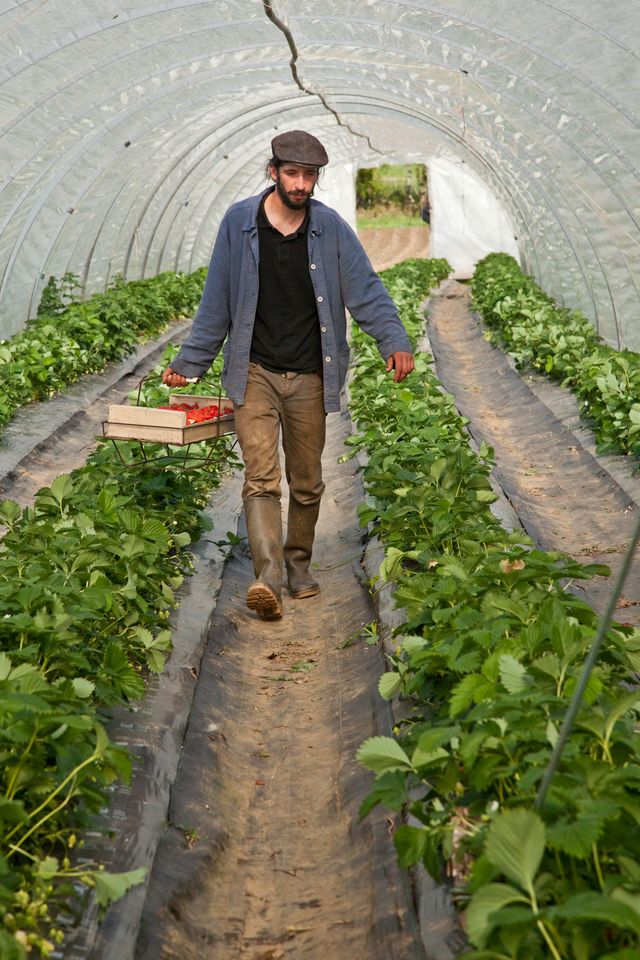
(253, 205)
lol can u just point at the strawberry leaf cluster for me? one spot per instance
(487, 659)
(565, 345)
(69, 338)
(88, 579)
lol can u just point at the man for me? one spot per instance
(283, 269)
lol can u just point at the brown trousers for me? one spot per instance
(292, 402)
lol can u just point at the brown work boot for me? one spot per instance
(301, 527)
(264, 527)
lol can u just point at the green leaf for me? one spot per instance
(411, 844)
(381, 754)
(155, 660)
(133, 546)
(484, 903)
(575, 837)
(629, 867)
(494, 604)
(552, 733)
(423, 757)
(10, 511)
(413, 644)
(437, 469)
(389, 684)
(154, 530)
(112, 886)
(451, 566)
(391, 566)
(389, 789)
(513, 675)
(12, 811)
(548, 663)
(47, 868)
(5, 666)
(486, 496)
(83, 688)
(624, 896)
(515, 845)
(590, 906)
(627, 703)
(61, 487)
(469, 690)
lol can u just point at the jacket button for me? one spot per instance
(327, 359)
(312, 266)
(320, 299)
(324, 329)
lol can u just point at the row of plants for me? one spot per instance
(88, 579)
(486, 662)
(70, 337)
(565, 345)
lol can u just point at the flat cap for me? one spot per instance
(296, 146)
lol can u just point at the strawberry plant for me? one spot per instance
(565, 345)
(486, 662)
(88, 578)
(69, 338)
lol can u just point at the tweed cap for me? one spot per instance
(296, 146)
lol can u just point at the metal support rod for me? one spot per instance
(589, 663)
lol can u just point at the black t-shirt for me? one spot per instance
(286, 334)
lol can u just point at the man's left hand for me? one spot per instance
(402, 363)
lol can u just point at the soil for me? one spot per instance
(388, 245)
(561, 493)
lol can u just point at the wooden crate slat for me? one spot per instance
(138, 431)
(150, 416)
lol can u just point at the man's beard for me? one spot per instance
(293, 203)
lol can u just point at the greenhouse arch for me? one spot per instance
(128, 132)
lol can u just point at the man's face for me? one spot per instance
(294, 184)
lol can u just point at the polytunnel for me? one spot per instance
(435, 751)
(128, 130)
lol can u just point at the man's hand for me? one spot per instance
(173, 379)
(402, 363)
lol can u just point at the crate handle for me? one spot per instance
(158, 376)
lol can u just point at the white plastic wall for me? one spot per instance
(337, 188)
(467, 221)
(127, 130)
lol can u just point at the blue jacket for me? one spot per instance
(341, 276)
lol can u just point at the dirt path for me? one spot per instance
(264, 856)
(562, 495)
(388, 245)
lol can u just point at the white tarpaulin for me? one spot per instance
(467, 221)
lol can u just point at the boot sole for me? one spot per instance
(303, 594)
(264, 601)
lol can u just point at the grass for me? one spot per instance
(367, 219)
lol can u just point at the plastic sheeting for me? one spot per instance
(467, 222)
(127, 130)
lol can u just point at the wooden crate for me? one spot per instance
(166, 426)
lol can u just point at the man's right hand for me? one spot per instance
(173, 379)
